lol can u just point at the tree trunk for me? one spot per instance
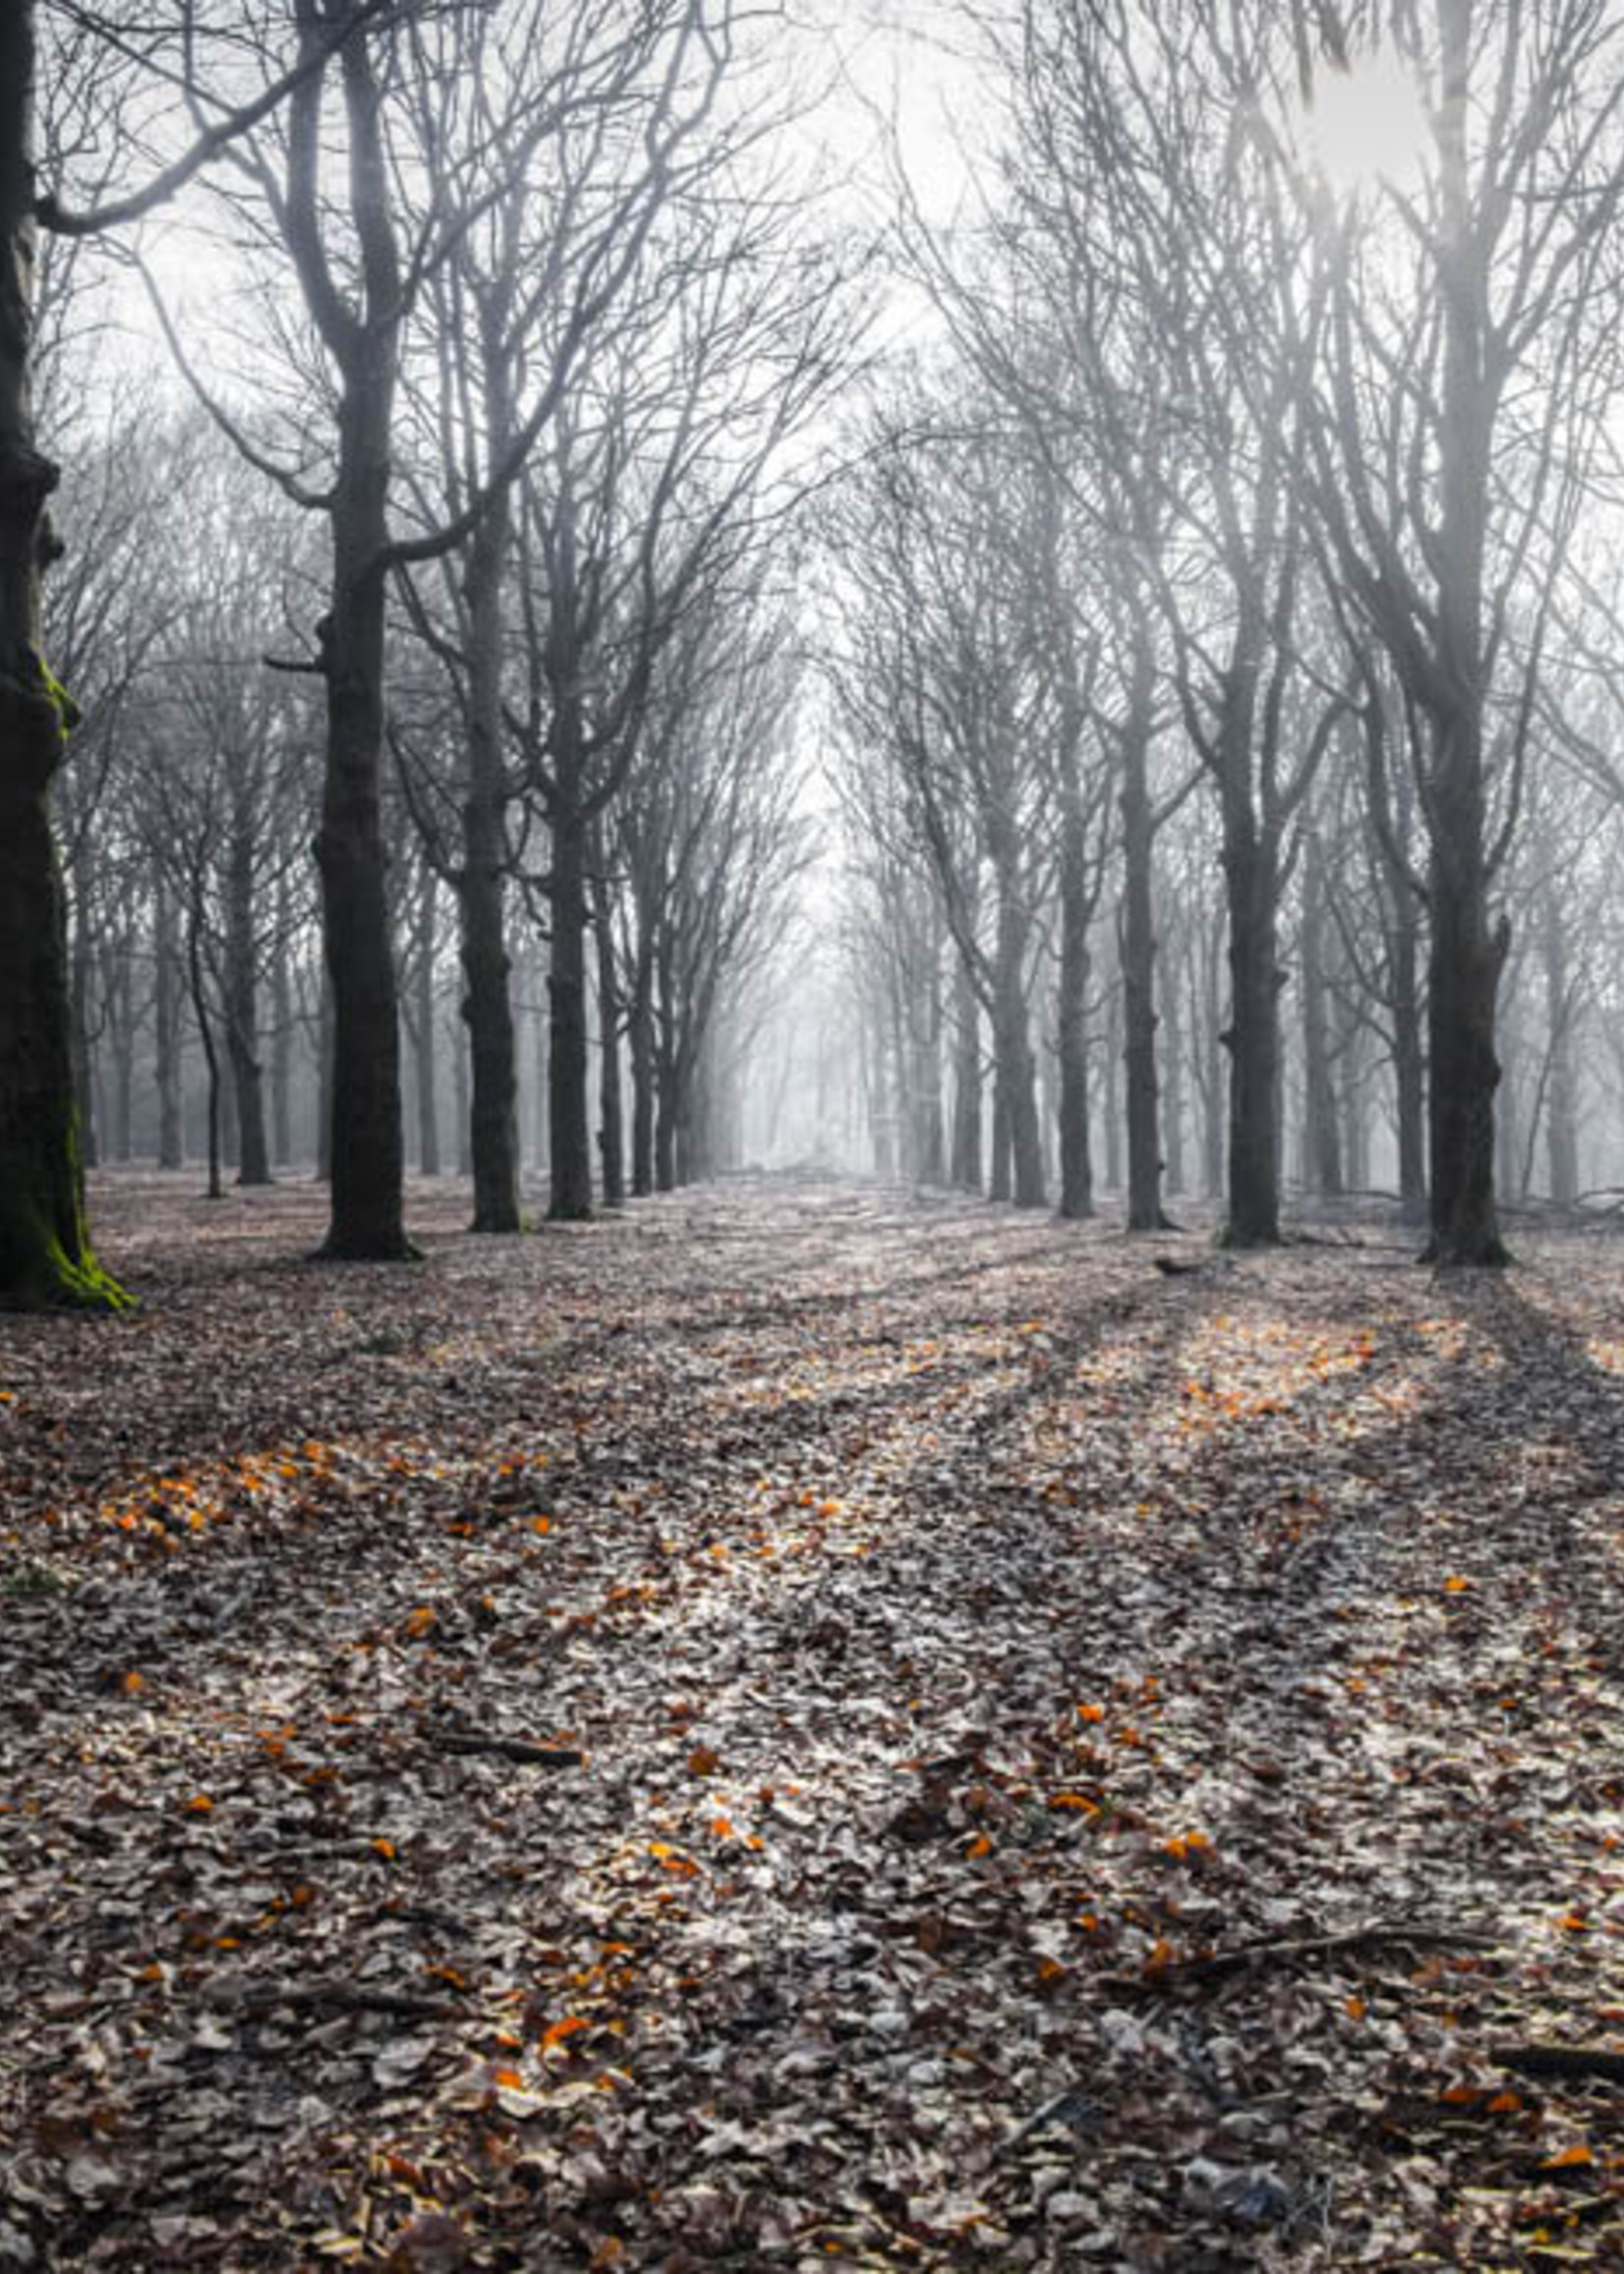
(568, 1111)
(117, 994)
(611, 1134)
(1138, 965)
(167, 984)
(424, 1023)
(1562, 1082)
(45, 1254)
(483, 884)
(967, 1084)
(282, 1037)
(1251, 1038)
(211, 1049)
(640, 1037)
(242, 1010)
(1463, 978)
(1076, 1170)
(1016, 1071)
(1110, 1103)
(366, 1137)
(1174, 1091)
(1468, 948)
(367, 1154)
(1321, 1135)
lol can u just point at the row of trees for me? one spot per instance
(506, 304)
(1259, 512)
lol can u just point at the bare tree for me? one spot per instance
(1472, 357)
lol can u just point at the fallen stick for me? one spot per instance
(1217, 1963)
(1562, 2061)
(343, 1997)
(511, 1748)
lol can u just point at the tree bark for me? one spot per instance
(1251, 1038)
(483, 882)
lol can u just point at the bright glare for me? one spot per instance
(1367, 123)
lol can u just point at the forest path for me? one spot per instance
(664, 1743)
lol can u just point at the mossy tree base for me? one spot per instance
(46, 1260)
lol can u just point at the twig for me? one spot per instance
(1217, 1963)
(1073, 2104)
(1562, 2061)
(511, 1749)
(343, 1997)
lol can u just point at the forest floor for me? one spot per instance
(806, 1726)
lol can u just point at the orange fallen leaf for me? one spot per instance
(1505, 2104)
(199, 1804)
(556, 2031)
(135, 1683)
(1570, 2158)
(385, 1849)
(1355, 2008)
(1454, 1584)
(979, 1845)
(420, 1620)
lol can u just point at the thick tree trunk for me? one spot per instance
(483, 886)
(1468, 948)
(368, 1153)
(45, 1254)
(568, 1110)
(367, 1143)
(487, 1009)
(1252, 1184)
(1464, 979)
